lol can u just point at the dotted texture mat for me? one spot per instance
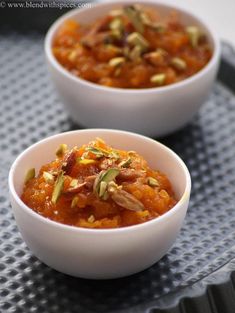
(30, 111)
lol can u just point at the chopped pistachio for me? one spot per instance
(179, 64)
(135, 53)
(116, 34)
(134, 16)
(74, 202)
(116, 24)
(194, 35)
(145, 19)
(117, 61)
(29, 175)
(59, 184)
(97, 152)
(136, 39)
(61, 150)
(102, 189)
(91, 218)
(114, 155)
(73, 183)
(152, 182)
(158, 27)
(48, 177)
(125, 163)
(86, 161)
(158, 79)
(104, 177)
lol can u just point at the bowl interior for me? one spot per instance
(158, 156)
(88, 15)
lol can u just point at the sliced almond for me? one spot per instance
(127, 200)
(58, 188)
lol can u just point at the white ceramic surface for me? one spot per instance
(153, 112)
(106, 253)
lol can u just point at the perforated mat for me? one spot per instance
(30, 110)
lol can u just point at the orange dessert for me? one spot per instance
(132, 47)
(97, 186)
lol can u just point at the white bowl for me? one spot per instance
(100, 253)
(152, 112)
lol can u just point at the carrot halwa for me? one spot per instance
(96, 186)
(132, 47)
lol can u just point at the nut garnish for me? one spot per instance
(158, 79)
(152, 182)
(86, 161)
(29, 175)
(59, 184)
(102, 180)
(69, 162)
(125, 163)
(134, 16)
(179, 64)
(126, 200)
(116, 24)
(61, 150)
(194, 35)
(117, 61)
(91, 218)
(135, 53)
(74, 202)
(48, 177)
(74, 182)
(136, 39)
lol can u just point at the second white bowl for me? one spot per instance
(152, 112)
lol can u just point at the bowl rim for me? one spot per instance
(184, 83)
(65, 227)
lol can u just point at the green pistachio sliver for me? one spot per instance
(158, 79)
(59, 184)
(125, 163)
(91, 219)
(158, 27)
(61, 150)
(29, 175)
(116, 24)
(106, 177)
(117, 61)
(97, 152)
(179, 64)
(73, 183)
(134, 16)
(194, 35)
(135, 53)
(86, 161)
(102, 189)
(48, 177)
(136, 39)
(116, 34)
(152, 182)
(74, 202)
